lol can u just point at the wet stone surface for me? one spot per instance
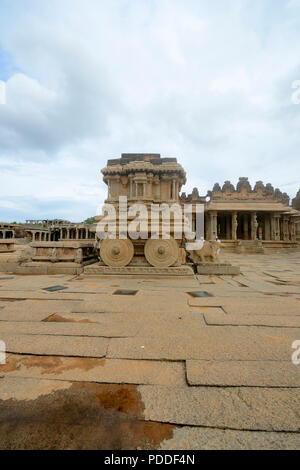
(86, 416)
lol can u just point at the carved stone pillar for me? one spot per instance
(130, 186)
(278, 228)
(286, 231)
(275, 225)
(254, 226)
(272, 227)
(234, 226)
(293, 231)
(213, 228)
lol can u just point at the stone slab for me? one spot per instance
(55, 345)
(64, 244)
(61, 328)
(263, 306)
(193, 438)
(42, 268)
(217, 269)
(271, 286)
(135, 323)
(33, 283)
(213, 343)
(7, 266)
(35, 310)
(18, 388)
(40, 295)
(243, 373)
(140, 304)
(139, 271)
(289, 321)
(258, 409)
(156, 325)
(96, 370)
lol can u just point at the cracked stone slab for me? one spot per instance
(193, 438)
(212, 318)
(257, 409)
(128, 324)
(243, 373)
(61, 328)
(34, 310)
(95, 370)
(213, 343)
(55, 345)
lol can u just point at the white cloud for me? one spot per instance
(208, 84)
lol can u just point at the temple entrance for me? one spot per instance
(244, 226)
(224, 222)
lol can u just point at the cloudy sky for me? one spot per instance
(209, 82)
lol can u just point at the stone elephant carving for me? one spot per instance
(206, 249)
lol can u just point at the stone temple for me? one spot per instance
(244, 219)
(240, 214)
(129, 343)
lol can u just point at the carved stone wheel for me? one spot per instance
(116, 253)
(161, 253)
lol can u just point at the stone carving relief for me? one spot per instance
(210, 251)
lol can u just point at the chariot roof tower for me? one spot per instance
(144, 177)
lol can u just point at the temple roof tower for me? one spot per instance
(144, 177)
